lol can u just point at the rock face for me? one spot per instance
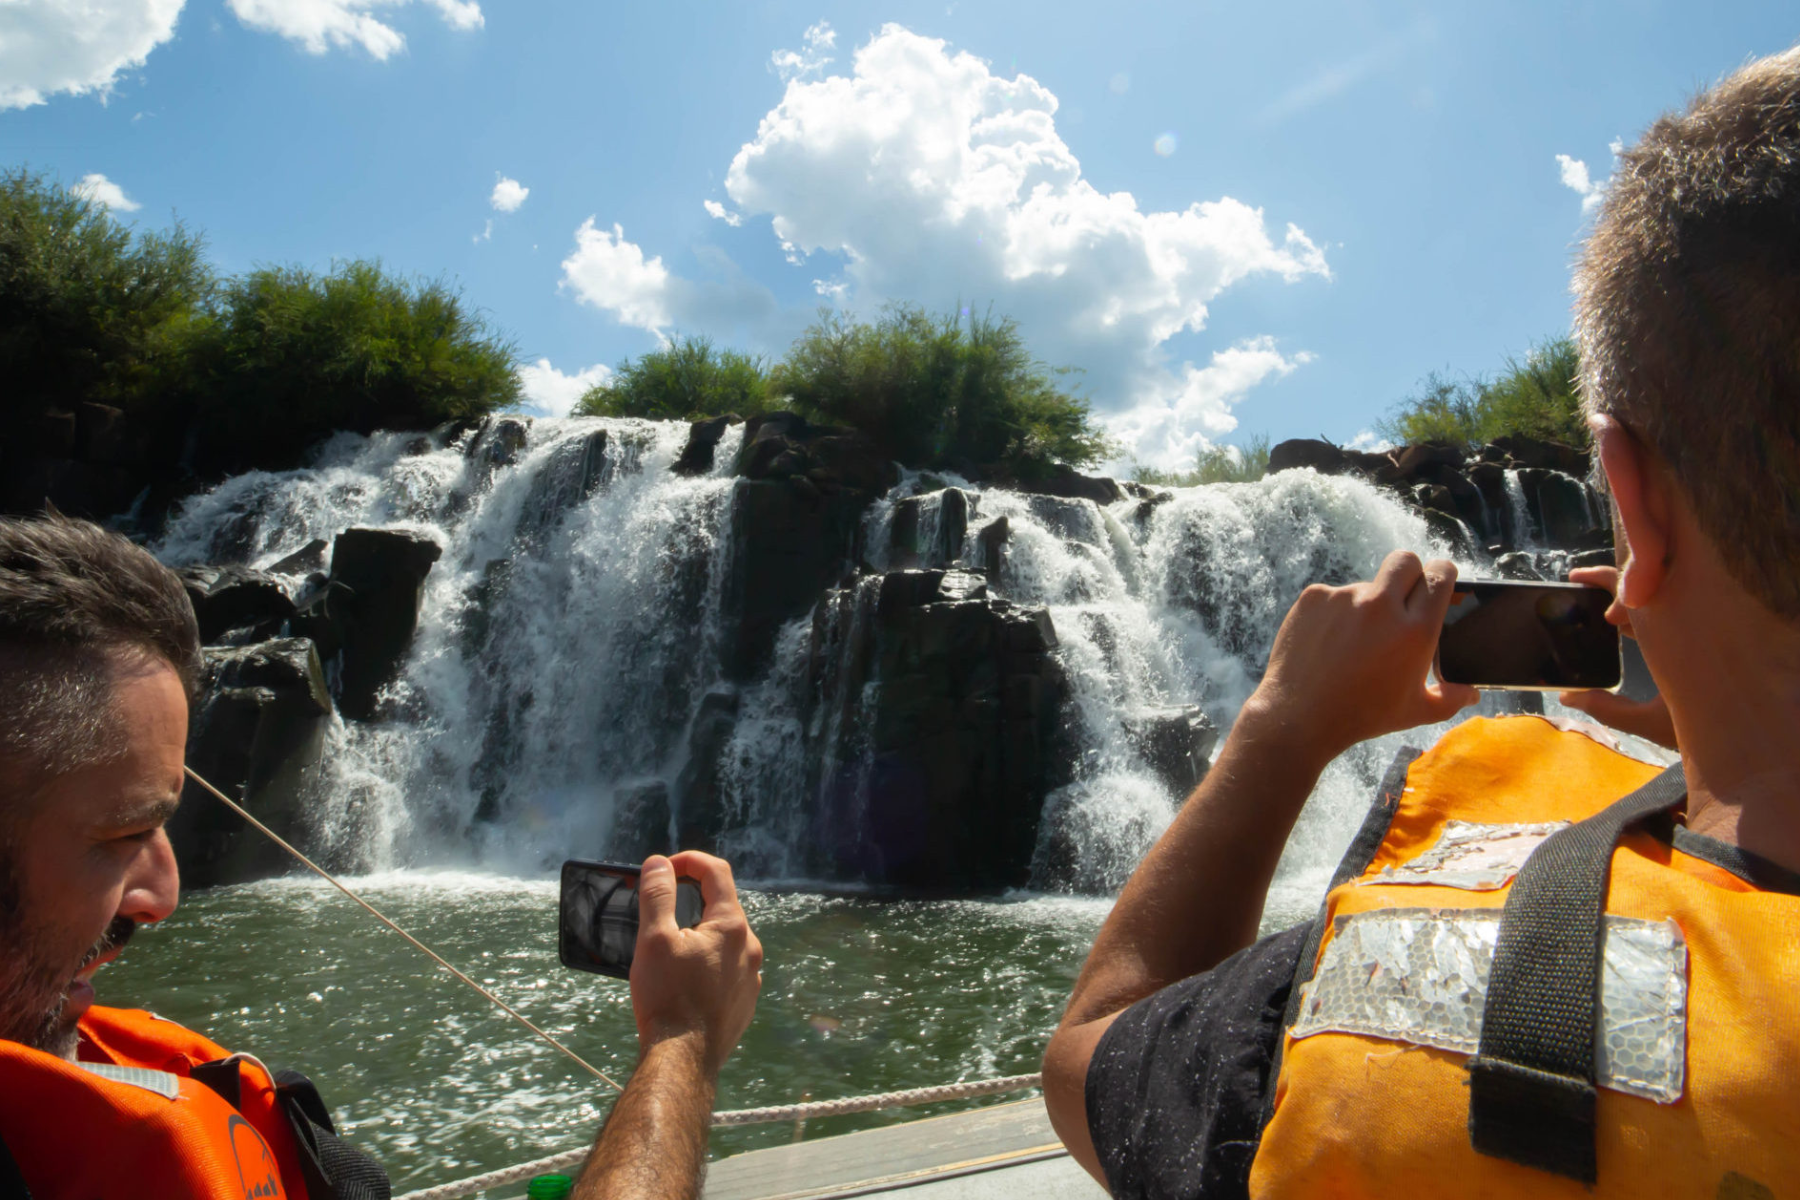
(236, 605)
(1177, 743)
(703, 439)
(941, 777)
(364, 619)
(257, 736)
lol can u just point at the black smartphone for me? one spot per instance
(597, 919)
(1529, 637)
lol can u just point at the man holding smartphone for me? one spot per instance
(1416, 1039)
(99, 653)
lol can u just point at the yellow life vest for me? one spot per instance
(1697, 1049)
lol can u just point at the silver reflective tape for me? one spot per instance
(1474, 857)
(1420, 975)
(161, 1082)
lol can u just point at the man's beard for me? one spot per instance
(34, 996)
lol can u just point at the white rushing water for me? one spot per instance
(565, 644)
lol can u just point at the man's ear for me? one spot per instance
(1641, 499)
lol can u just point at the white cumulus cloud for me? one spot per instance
(719, 212)
(811, 58)
(508, 194)
(1577, 178)
(552, 393)
(922, 176)
(76, 46)
(103, 191)
(319, 25)
(1168, 431)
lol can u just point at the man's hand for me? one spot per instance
(700, 982)
(1648, 719)
(693, 992)
(1353, 663)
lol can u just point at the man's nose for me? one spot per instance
(153, 888)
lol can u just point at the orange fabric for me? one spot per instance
(75, 1134)
(1361, 1116)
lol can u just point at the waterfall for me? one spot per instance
(1519, 513)
(569, 640)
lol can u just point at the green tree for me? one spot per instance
(1215, 464)
(88, 309)
(1535, 397)
(940, 391)
(687, 379)
(296, 355)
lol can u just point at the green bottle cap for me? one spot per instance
(550, 1187)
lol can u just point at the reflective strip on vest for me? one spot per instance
(1420, 976)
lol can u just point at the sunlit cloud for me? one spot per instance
(811, 58)
(550, 392)
(1577, 178)
(508, 194)
(49, 47)
(719, 212)
(320, 25)
(100, 190)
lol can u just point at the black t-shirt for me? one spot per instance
(1176, 1090)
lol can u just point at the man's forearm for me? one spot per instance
(653, 1146)
(1198, 896)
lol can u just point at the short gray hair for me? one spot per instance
(77, 604)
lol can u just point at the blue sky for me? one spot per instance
(1236, 219)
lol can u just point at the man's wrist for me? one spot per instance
(687, 1045)
(1270, 730)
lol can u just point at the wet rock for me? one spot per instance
(1564, 510)
(1176, 742)
(789, 541)
(499, 441)
(1065, 481)
(236, 603)
(991, 543)
(1518, 451)
(1325, 458)
(640, 822)
(1518, 564)
(259, 736)
(1447, 529)
(699, 795)
(304, 561)
(903, 532)
(940, 770)
(703, 439)
(783, 445)
(369, 611)
(953, 525)
(1603, 557)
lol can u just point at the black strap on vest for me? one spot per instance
(12, 1183)
(1531, 1085)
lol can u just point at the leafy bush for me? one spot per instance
(687, 379)
(89, 311)
(1215, 464)
(940, 391)
(294, 356)
(1535, 398)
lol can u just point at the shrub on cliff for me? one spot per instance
(1535, 398)
(1215, 464)
(940, 391)
(294, 356)
(685, 380)
(90, 310)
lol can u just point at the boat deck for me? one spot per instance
(1004, 1150)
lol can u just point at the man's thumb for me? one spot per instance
(656, 893)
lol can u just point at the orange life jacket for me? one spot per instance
(132, 1121)
(1698, 1032)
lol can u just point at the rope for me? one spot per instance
(572, 1159)
(328, 877)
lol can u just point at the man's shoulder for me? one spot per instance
(137, 1037)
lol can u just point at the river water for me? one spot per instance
(566, 641)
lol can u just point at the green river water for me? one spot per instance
(859, 995)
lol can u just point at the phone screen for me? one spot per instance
(1529, 635)
(597, 918)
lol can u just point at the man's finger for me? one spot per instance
(1431, 596)
(717, 888)
(1447, 699)
(1399, 572)
(656, 895)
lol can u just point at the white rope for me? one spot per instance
(571, 1160)
(328, 877)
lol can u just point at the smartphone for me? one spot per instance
(597, 919)
(1529, 637)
